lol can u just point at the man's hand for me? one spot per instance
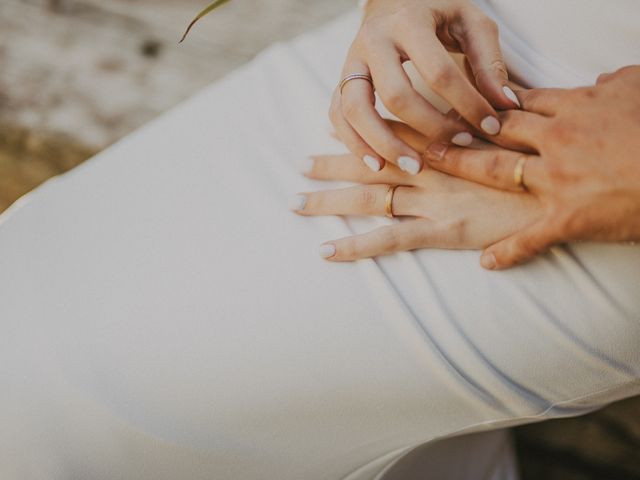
(586, 171)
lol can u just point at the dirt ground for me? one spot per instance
(76, 75)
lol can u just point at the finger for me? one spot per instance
(493, 167)
(399, 96)
(420, 142)
(349, 168)
(521, 130)
(358, 109)
(442, 74)
(543, 101)
(604, 77)
(367, 200)
(351, 139)
(480, 43)
(385, 240)
(520, 247)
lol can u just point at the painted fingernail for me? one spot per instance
(511, 95)
(490, 125)
(327, 250)
(371, 162)
(436, 151)
(298, 202)
(305, 165)
(488, 261)
(462, 139)
(409, 165)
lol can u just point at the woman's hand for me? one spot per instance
(423, 31)
(449, 212)
(586, 173)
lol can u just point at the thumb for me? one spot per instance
(481, 46)
(519, 247)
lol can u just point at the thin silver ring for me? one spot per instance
(355, 76)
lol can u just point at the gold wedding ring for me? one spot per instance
(388, 204)
(355, 76)
(518, 173)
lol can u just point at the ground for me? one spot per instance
(76, 75)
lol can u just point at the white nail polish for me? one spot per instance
(298, 202)
(488, 261)
(409, 165)
(371, 162)
(490, 125)
(462, 139)
(511, 95)
(305, 165)
(327, 250)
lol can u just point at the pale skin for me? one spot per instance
(446, 212)
(582, 178)
(423, 31)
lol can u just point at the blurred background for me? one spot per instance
(77, 75)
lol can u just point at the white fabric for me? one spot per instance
(164, 316)
(566, 43)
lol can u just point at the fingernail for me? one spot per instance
(463, 139)
(490, 125)
(327, 250)
(511, 95)
(298, 202)
(488, 261)
(436, 151)
(305, 165)
(371, 162)
(409, 165)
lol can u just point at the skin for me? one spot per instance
(423, 31)
(447, 212)
(584, 168)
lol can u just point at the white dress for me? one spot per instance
(165, 316)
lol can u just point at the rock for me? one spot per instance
(604, 445)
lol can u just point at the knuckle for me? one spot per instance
(603, 77)
(585, 93)
(441, 75)
(489, 25)
(562, 133)
(555, 173)
(528, 246)
(569, 224)
(367, 35)
(404, 15)
(492, 167)
(510, 119)
(367, 199)
(452, 162)
(530, 99)
(498, 66)
(458, 231)
(396, 99)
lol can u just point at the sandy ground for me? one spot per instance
(76, 75)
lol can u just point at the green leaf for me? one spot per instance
(206, 11)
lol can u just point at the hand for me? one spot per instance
(450, 213)
(395, 31)
(586, 172)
